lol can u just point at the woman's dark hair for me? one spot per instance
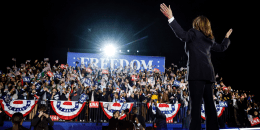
(42, 108)
(17, 118)
(202, 24)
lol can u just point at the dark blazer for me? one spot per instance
(96, 96)
(39, 124)
(198, 47)
(103, 97)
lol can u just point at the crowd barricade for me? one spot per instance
(100, 111)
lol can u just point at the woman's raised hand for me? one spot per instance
(229, 32)
(166, 10)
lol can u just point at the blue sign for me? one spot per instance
(26, 79)
(104, 62)
(88, 81)
(57, 76)
(223, 104)
(83, 97)
(176, 83)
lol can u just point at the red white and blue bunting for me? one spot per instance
(169, 110)
(67, 110)
(219, 109)
(109, 107)
(22, 106)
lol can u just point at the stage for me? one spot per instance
(91, 126)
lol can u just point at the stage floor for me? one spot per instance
(94, 126)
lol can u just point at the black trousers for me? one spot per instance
(202, 90)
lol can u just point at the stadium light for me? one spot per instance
(137, 51)
(127, 50)
(109, 50)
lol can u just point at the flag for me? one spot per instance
(22, 106)
(46, 59)
(219, 109)
(109, 107)
(170, 110)
(67, 110)
(13, 59)
(56, 61)
(28, 60)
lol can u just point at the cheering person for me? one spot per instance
(199, 41)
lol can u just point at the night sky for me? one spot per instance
(41, 29)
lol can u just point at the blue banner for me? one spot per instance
(103, 62)
(223, 104)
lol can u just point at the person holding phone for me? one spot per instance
(158, 116)
(42, 121)
(199, 41)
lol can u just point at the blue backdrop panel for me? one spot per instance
(103, 61)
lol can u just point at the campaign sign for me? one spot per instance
(94, 104)
(50, 74)
(133, 77)
(170, 110)
(103, 61)
(223, 104)
(176, 83)
(89, 70)
(109, 107)
(219, 109)
(255, 121)
(83, 98)
(104, 71)
(156, 70)
(57, 76)
(62, 66)
(54, 117)
(22, 106)
(67, 110)
(26, 79)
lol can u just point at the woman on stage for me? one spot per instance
(199, 41)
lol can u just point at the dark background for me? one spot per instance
(46, 29)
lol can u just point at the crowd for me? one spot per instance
(123, 84)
